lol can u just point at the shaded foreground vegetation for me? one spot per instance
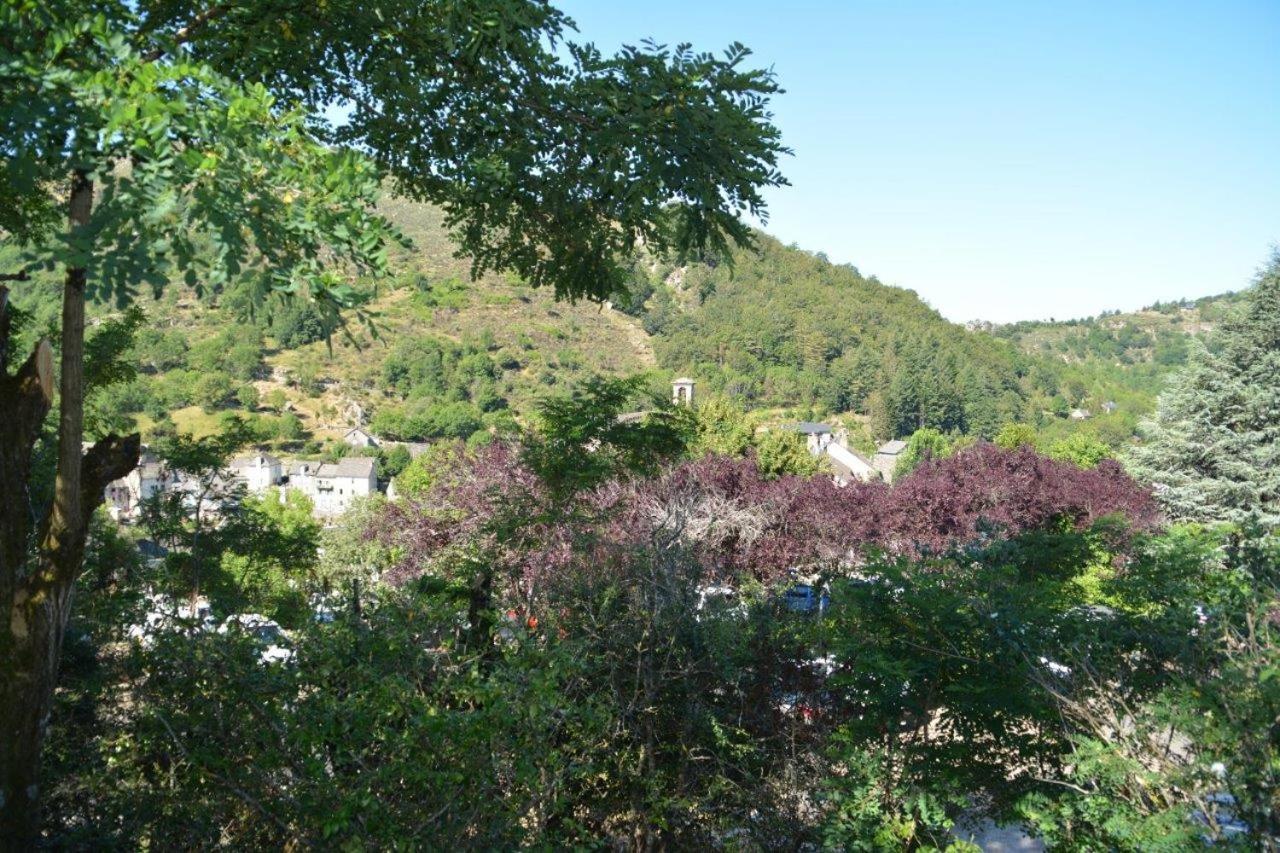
(585, 639)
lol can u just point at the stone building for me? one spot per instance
(886, 459)
(682, 391)
(333, 487)
(258, 471)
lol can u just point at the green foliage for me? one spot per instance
(1081, 450)
(780, 452)
(1112, 361)
(349, 553)
(159, 350)
(212, 391)
(721, 428)
(393, 462)
(925, 443)
(782, 327)
(424, 471)
(1211, 448)
(277, 400)
(223, 185)
(1014, 435)
(581, 438)
(298, 325)
(422, 420)
(1127, 787)
(248, 398)
(268, 557)
(633, 696)
(110, 373)
(290, 428)
(235, 352)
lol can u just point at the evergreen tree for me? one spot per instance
(1213, 448)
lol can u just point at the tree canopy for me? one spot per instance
(146, 143)
(1213, 447)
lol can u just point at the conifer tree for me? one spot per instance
(1212, 450)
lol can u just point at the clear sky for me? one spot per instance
(1012, 160)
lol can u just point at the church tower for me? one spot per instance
(682, 392)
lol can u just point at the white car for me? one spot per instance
(324, 609)
(265, 631)
(164, 615)
(720, 601)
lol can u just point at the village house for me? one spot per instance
(817, 436)
(258, 471)
(333, 487)
(847, 465)
(358, 437)
(124, 497)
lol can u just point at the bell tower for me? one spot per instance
(682, 392)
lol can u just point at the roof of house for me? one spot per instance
(151, 469)
(357, 467)
(849, 461)
(808, 428)
(360, 467)
(252, 459)
(683, 380)
(892, 448)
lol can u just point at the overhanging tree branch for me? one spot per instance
(185, 34)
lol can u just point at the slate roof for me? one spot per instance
(892, 448)
(151, 470)
(808, 428)
(358, 467)
(250, 459)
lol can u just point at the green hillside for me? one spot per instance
(449, 355)
(1157, 334)
(773, 329)
(1117, 359)
(783, 327)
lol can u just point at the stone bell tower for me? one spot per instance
(682, 392)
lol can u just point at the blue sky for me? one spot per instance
(1012, 160)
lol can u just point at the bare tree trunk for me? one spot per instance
(37, 573)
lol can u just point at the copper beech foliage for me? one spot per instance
(734, 522)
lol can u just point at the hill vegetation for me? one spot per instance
(1118, 360)
(773, 329)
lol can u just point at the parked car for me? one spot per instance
(164, 614)
(265, 631)
(805, 598)
(720, 600)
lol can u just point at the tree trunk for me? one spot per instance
(37, 574)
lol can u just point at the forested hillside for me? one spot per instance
(443, 356)
(783, 327)
(1120, 358)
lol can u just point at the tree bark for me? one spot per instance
(38, 573)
